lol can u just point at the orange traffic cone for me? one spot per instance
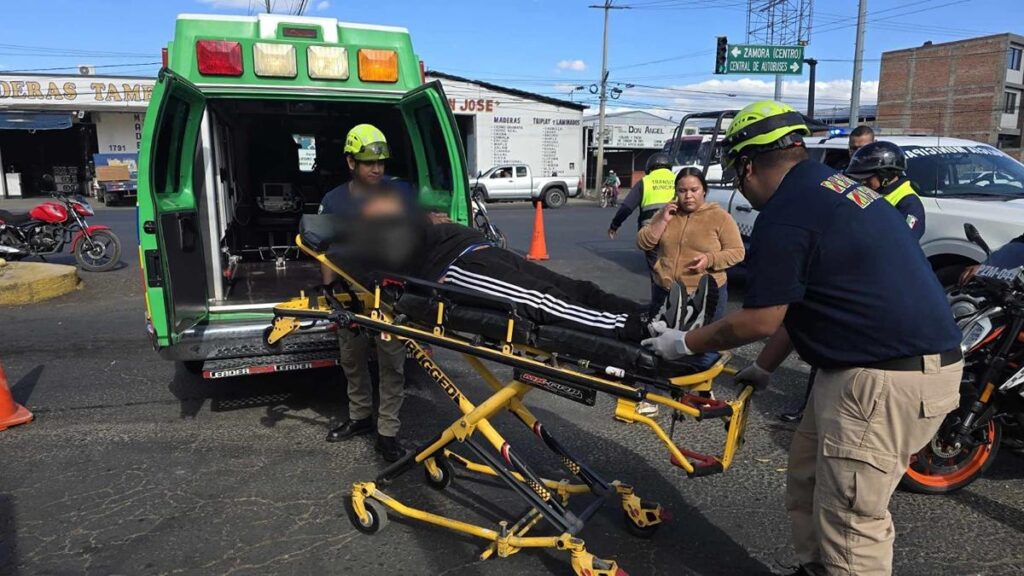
(11, 413)
(538, 246)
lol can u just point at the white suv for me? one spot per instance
(959, 181)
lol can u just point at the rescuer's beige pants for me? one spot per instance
(859, 430)
(355, 355)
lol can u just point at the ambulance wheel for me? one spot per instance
(645, 532)
(445, 474)
(377, 512)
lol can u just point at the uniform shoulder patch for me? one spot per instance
(838, 183)
(911, 221)
(862, 196)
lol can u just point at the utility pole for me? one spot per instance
(810, 88)
(599, 173)
(858, 64)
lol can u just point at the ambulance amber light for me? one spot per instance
(277, 60)
(378, 65)
(327, 62)
(219, 58)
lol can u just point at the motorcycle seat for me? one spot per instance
(14, 217)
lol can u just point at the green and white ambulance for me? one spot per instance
(244, 135)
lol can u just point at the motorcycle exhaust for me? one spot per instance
(11, 251)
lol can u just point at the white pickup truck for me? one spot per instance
(517, 182)
(960, 181)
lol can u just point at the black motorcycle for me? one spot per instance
(482, 221)
(990, 313)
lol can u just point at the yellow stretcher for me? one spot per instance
(355, 307)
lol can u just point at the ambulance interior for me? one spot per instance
(273, 161)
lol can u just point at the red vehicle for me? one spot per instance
(52, 225)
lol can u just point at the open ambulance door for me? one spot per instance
(176, 183)
(440, 158)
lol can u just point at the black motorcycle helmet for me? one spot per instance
(658, 160)
(884, 159)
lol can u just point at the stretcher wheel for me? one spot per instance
(445, 473)
(378, 516)
(645, 532)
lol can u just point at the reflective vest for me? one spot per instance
(902, 191)
(659, 189)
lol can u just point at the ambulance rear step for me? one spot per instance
(232, 367)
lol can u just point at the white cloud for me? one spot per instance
(575, 65)
(323, 5)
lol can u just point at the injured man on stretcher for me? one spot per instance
(388, 236)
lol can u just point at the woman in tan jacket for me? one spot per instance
(692, 238)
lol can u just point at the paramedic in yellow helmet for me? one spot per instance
(834, 275)
(366, 151)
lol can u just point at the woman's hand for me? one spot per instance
(667, 212)
(698, 265)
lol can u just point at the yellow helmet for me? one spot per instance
(367, 144)
(762, 126)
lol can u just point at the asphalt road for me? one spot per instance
(134, 466)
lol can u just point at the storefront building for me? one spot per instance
(503, 125)
(629, 139)
(65, 127)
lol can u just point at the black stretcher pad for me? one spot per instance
(486, 316)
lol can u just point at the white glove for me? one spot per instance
(755, 376)
(668, 344)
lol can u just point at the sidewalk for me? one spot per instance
(21, 204)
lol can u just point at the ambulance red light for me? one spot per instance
(219, 58)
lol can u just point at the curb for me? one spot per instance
(29, 282)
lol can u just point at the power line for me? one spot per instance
(76, 67)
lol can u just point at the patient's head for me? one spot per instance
(384, 203)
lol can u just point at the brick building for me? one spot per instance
(968, 89)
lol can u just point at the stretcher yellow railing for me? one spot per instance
(548, 499)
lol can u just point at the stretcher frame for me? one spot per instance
(548, 499)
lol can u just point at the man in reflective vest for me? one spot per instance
(655, 190)
(882, 166)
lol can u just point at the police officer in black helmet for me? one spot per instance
(882, 166)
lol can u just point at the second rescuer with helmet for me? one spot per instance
(820, 265)
(882, 166)
(366, 151)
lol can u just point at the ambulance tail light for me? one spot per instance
(378, 65)
(219, 58)
(274, 60)
(423, 72)
(163, 57)
(327, 62)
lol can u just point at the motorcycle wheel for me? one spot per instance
(933, 473)
(102, 255)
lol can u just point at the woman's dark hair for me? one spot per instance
(696, 173)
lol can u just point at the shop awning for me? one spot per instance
(35, 120)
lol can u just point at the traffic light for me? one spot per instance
(721, 55)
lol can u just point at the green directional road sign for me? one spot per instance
(764, 59)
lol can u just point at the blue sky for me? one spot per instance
(663, 47)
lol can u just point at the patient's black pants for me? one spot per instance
(547, 297)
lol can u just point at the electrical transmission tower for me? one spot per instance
(779, 22)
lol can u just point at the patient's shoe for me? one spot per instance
(674, 309)
(700, 310)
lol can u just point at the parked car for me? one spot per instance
(959, 181)
(517, 182)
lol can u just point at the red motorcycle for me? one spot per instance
(52, 225)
